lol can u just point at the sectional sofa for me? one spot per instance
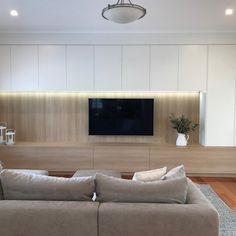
(87, 218)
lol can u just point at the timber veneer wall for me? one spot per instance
(63, 117)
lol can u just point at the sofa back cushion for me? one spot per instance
(88, 173)
(36, 172)
(110, 189)
(21, 186)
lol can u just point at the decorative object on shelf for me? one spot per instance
(3, 127)
(10, 136)
(123, 13)
(183, 126)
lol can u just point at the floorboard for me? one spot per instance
(224, 187)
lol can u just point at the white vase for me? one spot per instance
(182, 140)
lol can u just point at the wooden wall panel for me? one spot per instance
(127, 158)
(52, 117)
(197, 159)
(55, 158)
(124, 159)
(192, 157)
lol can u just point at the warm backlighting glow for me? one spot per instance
(229, 12)
(14, 13)
(103, 94)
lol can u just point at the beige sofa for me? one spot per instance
(82, 218)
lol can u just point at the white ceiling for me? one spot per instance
(82, 16)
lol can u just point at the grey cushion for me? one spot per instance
(37, 172)
(48, 218)
(177, 172)
(110, 189)
(19, 186)
(198, 218)
(87, 173)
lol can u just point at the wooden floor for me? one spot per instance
(224, 187)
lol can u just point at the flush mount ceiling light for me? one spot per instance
(123, 13)
(14, 13)
(229, 12)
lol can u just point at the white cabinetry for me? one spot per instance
(135, 67)
(107, 68)
(5, 68)
(24, 63)
(220, 98)
(164, 68)
(80, 68)
(192, 68)
(52, 68)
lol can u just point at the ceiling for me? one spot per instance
(84, 16)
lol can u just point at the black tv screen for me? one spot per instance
(110, 116)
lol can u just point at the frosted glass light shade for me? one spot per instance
(124, 13)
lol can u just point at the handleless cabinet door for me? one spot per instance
(5, 68)
(80, 68)
(24, 61)
(192, 68)
(135, 66)
(107, 68)
(164, 68)
(52, 68)
(220, 98)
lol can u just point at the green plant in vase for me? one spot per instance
(183, 126)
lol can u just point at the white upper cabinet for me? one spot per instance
(220, 104)
(107, 68)
(5, 68)
(192, 68)
(135, 67)
(164, 68)
(80, 68)
(24, 61)
(52, 68)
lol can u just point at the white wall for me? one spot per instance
(130, 62)
(151, 38)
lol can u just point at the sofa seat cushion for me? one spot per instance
(20, 186)
(48, 218)
(87, 173)
(110, 189)
(198, 218)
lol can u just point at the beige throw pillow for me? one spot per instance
(21, 186)
(177, 172)
(150, 175)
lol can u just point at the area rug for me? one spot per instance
(227, 215)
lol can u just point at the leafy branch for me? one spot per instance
(182, 124)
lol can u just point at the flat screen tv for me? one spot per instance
(110, 116)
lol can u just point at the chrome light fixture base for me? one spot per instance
(123, 13)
